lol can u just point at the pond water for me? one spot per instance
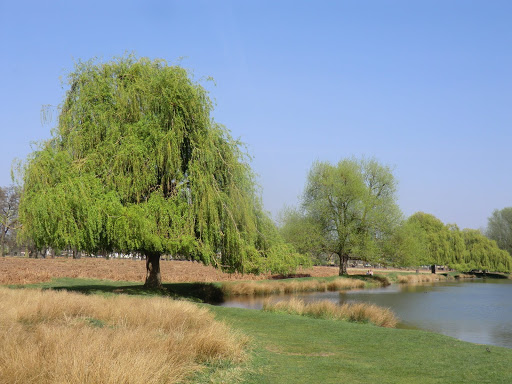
(479, 311)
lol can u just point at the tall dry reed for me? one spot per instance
(60, 337)
(465, 276)
(278, 287)
(421, 278)
(325, 309)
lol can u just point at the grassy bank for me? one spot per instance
(296, 349)
(288, 348)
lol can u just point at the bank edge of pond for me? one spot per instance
(290, 348)
(331, 283)
(304, 284)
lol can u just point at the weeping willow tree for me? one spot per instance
(137, 164)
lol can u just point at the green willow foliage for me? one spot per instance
(462, 250)
(351, 206)
(136, 164)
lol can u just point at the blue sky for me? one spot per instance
(422, 86)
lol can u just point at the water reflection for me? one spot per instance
(478, 311)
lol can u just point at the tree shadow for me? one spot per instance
(379, 279)
(290, 276)
(198, 292)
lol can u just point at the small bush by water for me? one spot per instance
(325, 309)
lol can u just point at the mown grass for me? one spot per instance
(289, 348)
(326, 309)
(61, 337)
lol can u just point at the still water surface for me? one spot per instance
(479, 311)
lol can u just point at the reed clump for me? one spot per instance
(325, 309)
(61, 337)
(465, 276)
(252, 288)
(421, 278)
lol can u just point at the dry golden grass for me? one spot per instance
(61, 337)
(421, 278)
(357, 312)
(465, 276)
(251, 288)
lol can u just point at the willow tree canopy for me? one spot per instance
(137, 164)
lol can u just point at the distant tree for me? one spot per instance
(435, 234)
(302, 232)
(137, 164)
(407, 246)
(9, 201)
(499, 228)
(483, 253)
(462, 250)
(353, 206)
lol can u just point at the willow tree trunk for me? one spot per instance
(153, 278)
(343, 265)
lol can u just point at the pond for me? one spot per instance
(479, 311)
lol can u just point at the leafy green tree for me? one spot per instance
(302, 232)
(137, 164)
(407, 246)
(456, 244)
(353, 205)
(462, 250)
(483, 253)
(499, 228)
(437, 237)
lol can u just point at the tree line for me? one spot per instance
(136, 164)
(463, 250)
(349, 210)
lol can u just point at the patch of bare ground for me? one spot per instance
(17, 270)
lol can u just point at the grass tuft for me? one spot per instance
(325, 309)
(420, 278)
(252, 288)
(58, 337)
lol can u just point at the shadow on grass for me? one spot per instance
(197, 292)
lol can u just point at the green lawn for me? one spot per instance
(295, 349)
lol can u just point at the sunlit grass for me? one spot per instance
(325, 309)
(419, 278)
(251, 288)
(61, 337)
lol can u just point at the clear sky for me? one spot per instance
(424, 86)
